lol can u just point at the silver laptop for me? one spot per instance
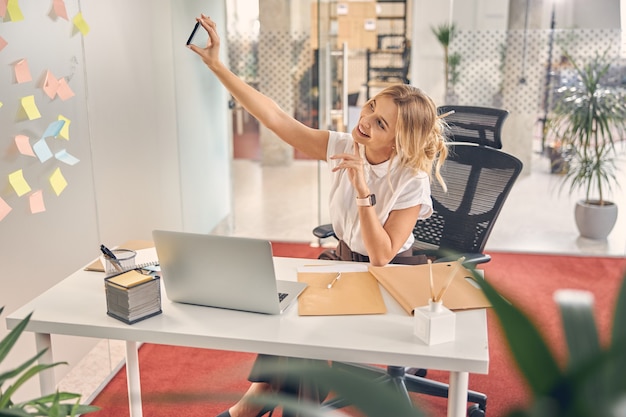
(222, 271)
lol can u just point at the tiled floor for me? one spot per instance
(282, 204)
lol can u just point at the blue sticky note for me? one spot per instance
(64, 156)
(42, 150)
(53, 129)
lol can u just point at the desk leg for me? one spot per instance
(132, 379)
(47, 385)
(457, 394)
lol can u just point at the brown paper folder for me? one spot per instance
(410, 286)
(353, 293)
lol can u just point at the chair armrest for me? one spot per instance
(324, 231)
(471, 259)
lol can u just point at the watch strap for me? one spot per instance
(368, 201)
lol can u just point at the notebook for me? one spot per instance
(222, 271)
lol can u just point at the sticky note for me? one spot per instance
(42, 150)
(23, 145)
(59, 9)
(50, 85)
(36, 202)
(81, 25)
(66, 157)
(3, 7)
(22, 72)
(64, 91)
(4, 207)
(57, 180)
(65, 130)
(19, 184)
(29, 106)
(53, 129)
(3, 43)
(13, 9)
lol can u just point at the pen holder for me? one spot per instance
(125, 259)
(434, 323)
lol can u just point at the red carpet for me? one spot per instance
(200, 382)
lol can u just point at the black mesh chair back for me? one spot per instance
(481, 125)
(479, 180)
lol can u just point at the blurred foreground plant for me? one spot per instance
(593, 383)
(56, 404)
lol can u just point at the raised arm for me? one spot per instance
(310, 141)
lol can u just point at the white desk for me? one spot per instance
(77, 306)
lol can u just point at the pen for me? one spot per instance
(329, 286)
(450, 278)
(446, 114)
(432, 285)
(111, 256)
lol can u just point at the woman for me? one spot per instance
(381, 171)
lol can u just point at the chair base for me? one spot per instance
(405, 383)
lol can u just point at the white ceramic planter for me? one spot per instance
(593, 220)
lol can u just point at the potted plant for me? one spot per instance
(588, 117)
(445, 33)
(57, 404)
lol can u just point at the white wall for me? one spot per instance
(150, 126)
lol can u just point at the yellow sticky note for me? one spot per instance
(4, 207)
(19, 184)
(65, 130)
(36, 202)
(80, 24)
(13, 8)
(29, 106)
(57, 180)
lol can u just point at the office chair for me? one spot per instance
(479, 179)
(473, 124)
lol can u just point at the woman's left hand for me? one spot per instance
(353, 163)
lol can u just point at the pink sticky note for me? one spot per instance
(59, 9)
(23, 145)
(22, 72)
(4, 207)
(36, 202)
(3, 43)
(3, 8)
(64, 91)
(50, 85)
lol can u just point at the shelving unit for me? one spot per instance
(389, 62)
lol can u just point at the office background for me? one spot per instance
(150, 126)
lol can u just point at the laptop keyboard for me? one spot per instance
(281, 296)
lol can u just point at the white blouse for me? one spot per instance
(395, 188)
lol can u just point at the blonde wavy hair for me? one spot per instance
(421, 143)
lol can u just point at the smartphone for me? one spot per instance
(193, 33)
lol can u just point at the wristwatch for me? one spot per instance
(368, 201)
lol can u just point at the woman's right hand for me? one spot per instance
(210, 53)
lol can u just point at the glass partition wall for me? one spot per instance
(322, 82)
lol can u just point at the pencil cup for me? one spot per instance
(125, 259)
(434, 323)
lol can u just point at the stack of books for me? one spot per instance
(133, 296)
